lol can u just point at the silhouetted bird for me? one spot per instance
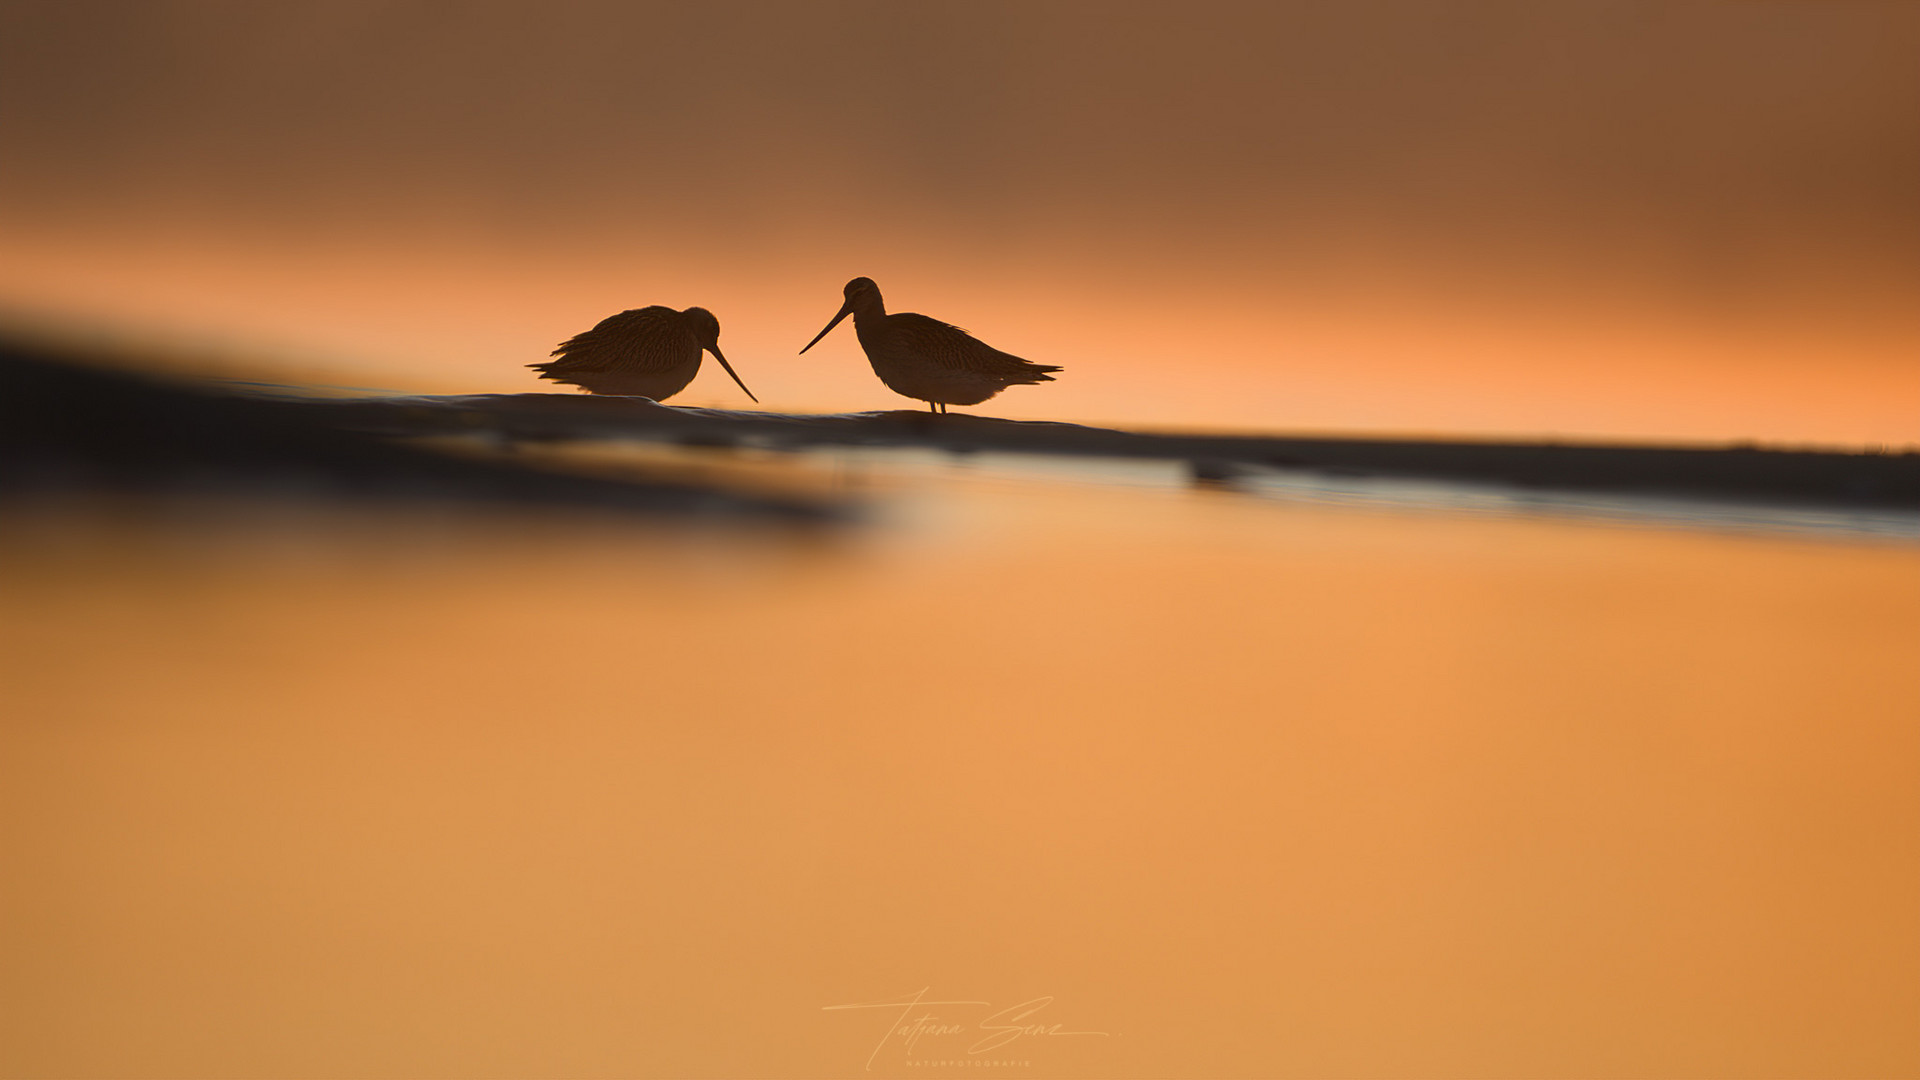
(924, 358)
(650, 352)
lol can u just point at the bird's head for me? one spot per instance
(706, 328)
(863, 296)
(706, 331)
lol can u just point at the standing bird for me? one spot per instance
(649, 352)
(924, 358)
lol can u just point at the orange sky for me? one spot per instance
(1680, 220)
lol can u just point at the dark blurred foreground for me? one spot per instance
(67, 425)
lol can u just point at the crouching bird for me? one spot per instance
(927, 359)
(648, 352)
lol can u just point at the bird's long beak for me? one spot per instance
(715, 350)
(845, 311)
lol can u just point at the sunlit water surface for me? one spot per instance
(1292, 780)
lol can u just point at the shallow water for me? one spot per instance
(1289, 780)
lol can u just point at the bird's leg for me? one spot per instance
(933, 408)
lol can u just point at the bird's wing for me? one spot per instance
(953, 347)
(644, 339)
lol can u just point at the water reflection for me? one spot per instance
(1284, 785)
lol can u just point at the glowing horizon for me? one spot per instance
(1679, 221)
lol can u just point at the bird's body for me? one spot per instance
(924, 358)
(649, 352)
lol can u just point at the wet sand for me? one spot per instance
(92, 424)
(1751, 473)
